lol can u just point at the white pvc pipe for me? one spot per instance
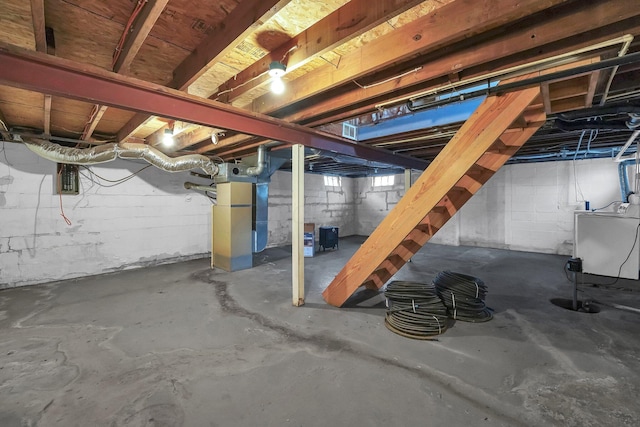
(632, 138)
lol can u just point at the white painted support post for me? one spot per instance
(297, 222)
(407, 180)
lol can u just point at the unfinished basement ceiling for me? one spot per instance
(360, 62)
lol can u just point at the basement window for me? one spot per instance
(383, 181)
(67, 179)
(332, 181)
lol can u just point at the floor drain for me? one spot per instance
(583, 306)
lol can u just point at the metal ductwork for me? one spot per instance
(621, 117)
(262, 163)
(199, 187)
(109, 152)
(634, 121)
(587, 113)
(208, 190)
(340, 158)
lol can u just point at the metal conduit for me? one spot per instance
(199, 187)
(415, 104)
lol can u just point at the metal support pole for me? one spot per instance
(575, 291)
(297, 221)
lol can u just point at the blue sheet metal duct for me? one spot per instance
(624, 178)
(447, 114)
(451, 112)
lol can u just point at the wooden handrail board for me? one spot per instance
(451, 179)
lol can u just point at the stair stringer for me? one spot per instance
(481, 146)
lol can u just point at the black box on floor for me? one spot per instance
(328, 237)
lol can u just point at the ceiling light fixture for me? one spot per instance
(276, 71)
(167, 140)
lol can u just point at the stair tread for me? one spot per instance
(475, 153)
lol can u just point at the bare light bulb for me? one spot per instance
(277, 86)
(167, 140)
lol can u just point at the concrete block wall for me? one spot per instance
(528, 207)
(152, 219)
(146, 220)
(373, 204)
(324, 205)
(531, 207)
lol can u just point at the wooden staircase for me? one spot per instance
(493, 133)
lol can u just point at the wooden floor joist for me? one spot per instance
(493, 133)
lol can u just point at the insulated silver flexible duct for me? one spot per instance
(109, 152)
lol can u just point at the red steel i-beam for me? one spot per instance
(56, 76)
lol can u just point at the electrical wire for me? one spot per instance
(125, 32)
(115, 182)
(635, 241)
(591, 299)
(463, 295)
(414, 310)
(575, 173)
(219, 94)
(406, 73)
(67, 220)
(605, 207)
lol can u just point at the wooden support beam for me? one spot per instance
(242, 20)
(595, 22)
(451, 168)
(350, 20)
(225, 142)
(132, 126)
(47, 114)
(438, 29)
(193, 136)
(138, 34)
(134, 39)
(56, 76)
(591, 91)
(183, 134)
(297, 224)
(40, 36)
(96, 115)
(39, 27)
(563, 26)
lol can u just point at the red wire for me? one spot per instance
(134, 15)
(67, 220)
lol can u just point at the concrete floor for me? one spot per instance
(184, 345)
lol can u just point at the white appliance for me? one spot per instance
(604, 240)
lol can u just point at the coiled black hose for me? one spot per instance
(414, 310)
(463, 296)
